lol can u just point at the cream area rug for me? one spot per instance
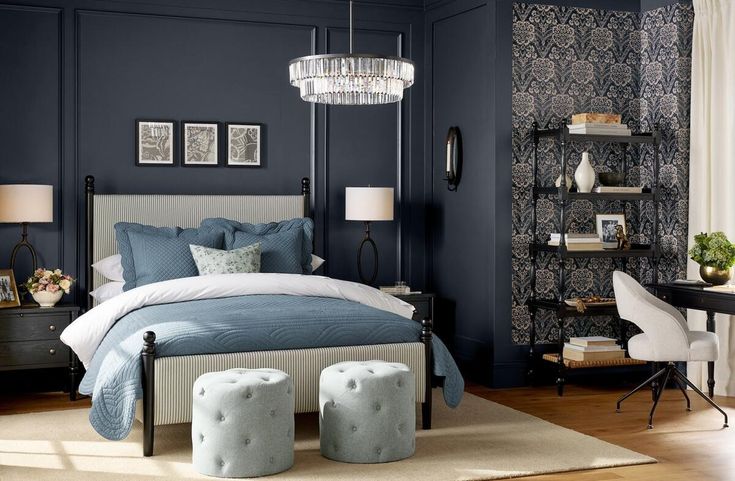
(479, 440)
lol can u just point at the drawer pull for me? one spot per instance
(51, 327)
(52, 351)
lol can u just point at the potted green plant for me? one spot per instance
(715, 255)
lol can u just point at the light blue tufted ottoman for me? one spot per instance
(243, 423)
(367, 412)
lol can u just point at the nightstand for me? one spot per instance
(424, 304)
(29, 339)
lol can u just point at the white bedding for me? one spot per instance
(86, 333)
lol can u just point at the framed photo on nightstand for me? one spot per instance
(8, 290)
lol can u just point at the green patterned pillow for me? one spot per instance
(217, 261)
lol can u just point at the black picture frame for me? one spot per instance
(183, 140)
(173, 143)
(259, 149)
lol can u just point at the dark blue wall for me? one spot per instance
(78, 73)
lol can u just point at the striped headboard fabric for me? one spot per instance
(183, 211)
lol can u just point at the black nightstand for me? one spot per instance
(29, 339)
(424, 304)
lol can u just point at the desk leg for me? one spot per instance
(711, 364)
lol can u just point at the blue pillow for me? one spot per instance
(280, 252)
(304, 226)
(153, 254)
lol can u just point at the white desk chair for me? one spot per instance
(665, 338)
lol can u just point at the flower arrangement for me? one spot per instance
(48, 281)
(713, 250)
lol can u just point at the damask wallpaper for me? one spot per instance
(568, 60)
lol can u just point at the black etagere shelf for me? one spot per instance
(539, 246)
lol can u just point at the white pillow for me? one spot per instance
(110, 268)
(316, 262)
(107, 291)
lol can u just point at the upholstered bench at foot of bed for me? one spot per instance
(367, 412)
(243, 423)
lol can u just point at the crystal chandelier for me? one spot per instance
(351, 79)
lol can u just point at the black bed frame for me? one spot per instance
(148, 353)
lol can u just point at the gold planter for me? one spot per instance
(715, 276)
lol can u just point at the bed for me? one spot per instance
(166, 380)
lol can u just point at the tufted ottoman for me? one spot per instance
(367, 412)
(243, 423)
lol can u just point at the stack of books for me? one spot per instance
(593, 348)
(578, 242)
(398, 290)
(616, 189)
(591, 123)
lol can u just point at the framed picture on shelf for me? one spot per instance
(607, 225)
(200, 144)
(8, 290)
(243, 144)
(154, 142)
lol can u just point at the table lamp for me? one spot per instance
(23, 204)
(368, 204)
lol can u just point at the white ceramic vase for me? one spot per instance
(46, 298)
(584, 176)
(568, 180)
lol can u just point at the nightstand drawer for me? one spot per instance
(33, 353)
(423, 309)
(37, 327)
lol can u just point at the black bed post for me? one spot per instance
(426, 336)
(148, 356)
(306, 192)
(89, 221)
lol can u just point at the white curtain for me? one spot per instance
(712, 161)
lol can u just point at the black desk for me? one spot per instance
(694, 297)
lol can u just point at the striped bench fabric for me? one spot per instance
(175, 376)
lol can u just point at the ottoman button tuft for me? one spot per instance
(231, 424)
(392, 427)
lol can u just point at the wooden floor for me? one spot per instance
(689, 446)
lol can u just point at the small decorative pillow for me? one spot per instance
(154, 254)
(304, 226)
(110, 268)
(107, 291)
(280, 252)
(217, 261)
(316, 262)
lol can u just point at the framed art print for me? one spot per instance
(200, 144)
(243, 145)
(154, 142)
(607, 228)
(8, 290)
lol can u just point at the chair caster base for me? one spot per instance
(650, 426)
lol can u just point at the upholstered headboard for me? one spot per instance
(105, 210)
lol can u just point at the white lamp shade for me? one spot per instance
(369, 203)
(26, 203)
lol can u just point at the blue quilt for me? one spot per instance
(238, 324)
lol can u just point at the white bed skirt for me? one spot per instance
(175, 376)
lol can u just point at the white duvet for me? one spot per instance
(86, 333)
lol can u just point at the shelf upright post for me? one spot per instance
(654, 243)
(532, 308)
(563, 139)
